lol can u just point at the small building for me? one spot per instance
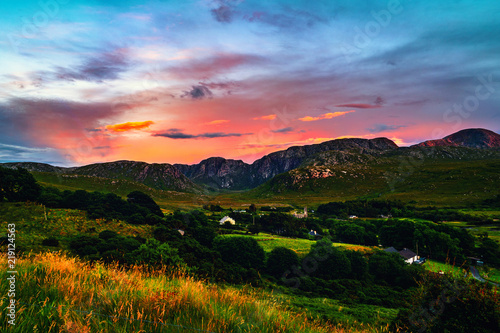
(408, 255)
(181, 232)
(391, 250)
(301, 216)
(227, 219)
(353, 217)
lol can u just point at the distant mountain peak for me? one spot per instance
(471, 138)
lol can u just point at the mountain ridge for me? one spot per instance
(218, 173)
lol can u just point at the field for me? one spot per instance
(490, 274)
(436, 266)
(299, 245)
(493, 230)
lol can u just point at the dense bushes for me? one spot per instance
(451, 304)
(138, 209)
(280, 260)
(244, 251)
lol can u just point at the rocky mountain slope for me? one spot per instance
(157, 176)
(472, 138)
(220, 173)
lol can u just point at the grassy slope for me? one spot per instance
(32, 228)
(166, 199)
(56, 293)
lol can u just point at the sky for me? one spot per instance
(179, 81)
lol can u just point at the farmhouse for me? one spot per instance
(408, 255)
(227, 219)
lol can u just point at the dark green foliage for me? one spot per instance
(50, 241)
(489, 250)
(107, 234)
(451, 304)
(105, 205)
(359, 265)
(108, 247)
(154, 253)
(330, 262)
(142, 199)
(391, 269)
(244, 251)
(18, 185)
(280, 260)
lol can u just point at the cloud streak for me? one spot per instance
(129, 126)
(177, 134)
(329, 115)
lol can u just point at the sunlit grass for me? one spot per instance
(56, 293)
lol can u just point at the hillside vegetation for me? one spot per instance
(62, 294)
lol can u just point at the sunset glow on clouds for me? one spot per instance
(129, 126)
(180, 81)
(328, 115)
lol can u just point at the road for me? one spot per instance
(477, 276)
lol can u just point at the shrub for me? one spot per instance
(241, 250)
(280, 260)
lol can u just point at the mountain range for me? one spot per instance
(292, 168)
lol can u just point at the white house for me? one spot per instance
(408, 255)
(227, 219)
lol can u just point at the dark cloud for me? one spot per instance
(39, 122)
(359, 106)
(198, 92)
(377, 128)
(223, 14)
(177, 134)
(283, 130)
(103, 67)
(379, 101)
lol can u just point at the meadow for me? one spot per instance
(56, 293)
(299, 245)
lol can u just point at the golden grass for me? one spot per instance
(57, 293)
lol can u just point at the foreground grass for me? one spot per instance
(55, 293)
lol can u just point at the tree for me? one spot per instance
(331, 262)
(155, 253)
(359, 265)
(252, 209)
(18, 185)
(280, 260)
(142, 199)
(241, 250)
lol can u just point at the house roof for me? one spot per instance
(391, 250)
(407, 254)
